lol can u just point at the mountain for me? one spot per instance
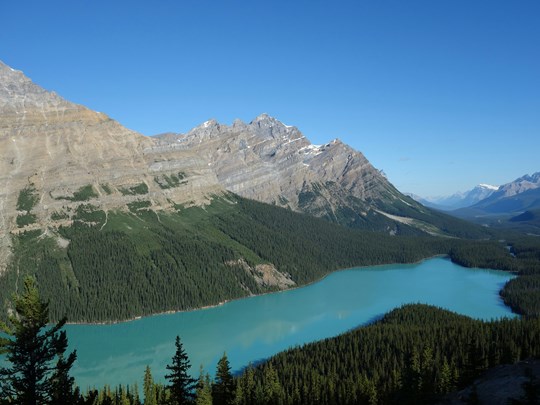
(271, 162)
(58, 155)
(115, 224)
(528, 221)
(458, 200)
(53, 150)
(512, 198)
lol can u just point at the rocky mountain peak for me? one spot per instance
(18, 93)
(270, 127)
(530, 178)
(207, 130)
(520, 185)
(239, 124)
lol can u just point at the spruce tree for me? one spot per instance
(204, 389)
(31, 347)
(61, 382)
(181, 384)
(273, 392)
(149, 388)
(223, 390)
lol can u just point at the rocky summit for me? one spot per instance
(57, 157)
(269, 161)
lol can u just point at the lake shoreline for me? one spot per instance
(170, 312)
(250, 330)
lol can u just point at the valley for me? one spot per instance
(115, 226)
(252, 329)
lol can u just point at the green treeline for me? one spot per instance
(522, 294)
(120, 265)
(415, 354)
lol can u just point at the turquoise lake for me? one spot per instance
(254, 328)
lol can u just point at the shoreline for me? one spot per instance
(172, 311)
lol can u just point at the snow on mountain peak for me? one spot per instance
(488, 186)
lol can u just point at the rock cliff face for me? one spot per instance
(56, 156)
(275, 163)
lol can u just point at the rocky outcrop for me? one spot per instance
(505, 384)
(265, 275)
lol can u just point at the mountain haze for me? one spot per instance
(512, 198)
(458, 200)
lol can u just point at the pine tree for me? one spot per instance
(223, 391)
(203, 395)
(34, 378)
(273, 391)
(181, 384)
(62, 383)
(444, 383)
(245, 390)
(149, 388)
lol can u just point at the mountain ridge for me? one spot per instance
(59, 158)
(514, 197)
(459, 199)
(98, 212)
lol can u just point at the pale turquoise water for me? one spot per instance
(255, 328)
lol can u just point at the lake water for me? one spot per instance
(254, 328)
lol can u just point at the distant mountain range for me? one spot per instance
(514, 203)
(511, 199)
(457, 200)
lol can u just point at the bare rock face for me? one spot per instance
(275, 163)
(56, 156)
(265, 275)
(55, 149)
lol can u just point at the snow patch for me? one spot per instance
(489, 186)
(312, 149)
(294, 140)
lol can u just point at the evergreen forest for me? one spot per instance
(414, 354)
(111, 266)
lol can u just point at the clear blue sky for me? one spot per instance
(441, 95)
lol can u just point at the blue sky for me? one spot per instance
(441, 95)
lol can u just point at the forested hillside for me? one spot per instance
(413, 355)
(112, 266)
